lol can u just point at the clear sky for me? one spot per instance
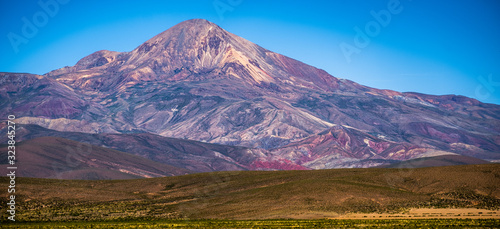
(434, 47)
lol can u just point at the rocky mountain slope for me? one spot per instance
(197, 81)
(180, 153)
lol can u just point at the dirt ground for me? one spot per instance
(428, 213)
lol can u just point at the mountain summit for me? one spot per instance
(194, 50)
(196, 43)
(197, 81)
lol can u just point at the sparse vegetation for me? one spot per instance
(257, 195)
(279, 223)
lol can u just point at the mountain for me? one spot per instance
(42, 100)
(186, 154)
(39, 96)
(178, 83)
(348, 147)
(199, 82)
(53, 157)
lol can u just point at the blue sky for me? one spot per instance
(434, 47)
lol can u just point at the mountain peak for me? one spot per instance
(197, 50)
(193, 28)
(185, 38)
(195, 22)
(198, 46)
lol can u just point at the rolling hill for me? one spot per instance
(53, 157)
(260, 194)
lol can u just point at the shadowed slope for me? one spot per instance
(191, 155)
(52, 157)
